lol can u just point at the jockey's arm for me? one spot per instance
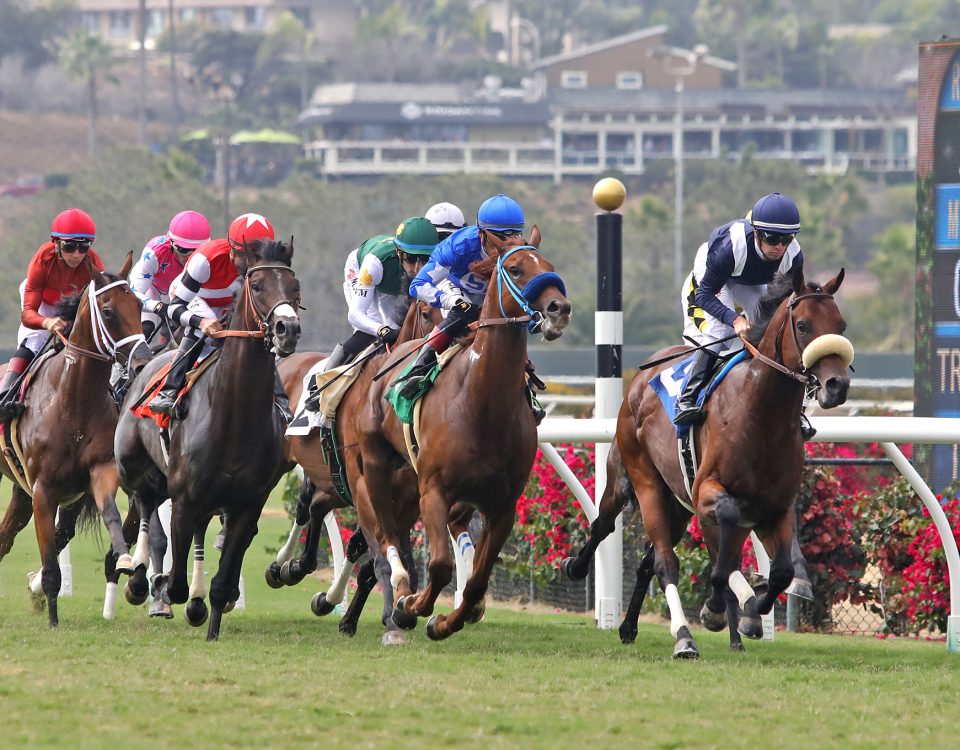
(424, 286)
(363, 312)
(33, 296)
(719, 268)
(182, 292)
(141, 277)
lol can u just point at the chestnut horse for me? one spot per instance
(477, 436)
(226, 454)
(751, 458)
(66, 432)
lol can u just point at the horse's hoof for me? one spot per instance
(320, 606)
(476, 614)
(125, 564)
(750, 627)
(712, 621)
(196, 612)
(685, 648)
(628, 633)
(737, 648)
(394, 638)
(400, 618)
(133, 595)
(228, 607)
(160, 608)
(432, 632)
(288, 576)
(802, 588)
(347, 628)
(272, 575)
(570, 570)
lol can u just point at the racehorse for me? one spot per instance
(477, 436)
(751, 459)
(226, 453)
(66, 432)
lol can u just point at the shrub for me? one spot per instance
(926, 590)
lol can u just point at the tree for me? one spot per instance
(87, 58)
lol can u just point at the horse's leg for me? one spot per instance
(296, 569)
(434, 512)
(225, 586)
(44, 520)
(130, 526)
(18, 515)
(628, 628)
(733, 620)
(495, 532)
(196, 611)
(724, 541)
(301, 519)
(366, 580)
(104, 482)
(137, 523)
(67, 524)
(182, 524)
(801, 584)
(616, 494)
(778, 541)
(158, 551)
(458, 522)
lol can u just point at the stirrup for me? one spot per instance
(411, 385)
(688, 415)
(12, 409)
(163, 403)
(807, 430)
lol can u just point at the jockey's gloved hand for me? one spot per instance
(387, 335)
(158, 307)
(461, 306)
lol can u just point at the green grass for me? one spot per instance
(280, 677)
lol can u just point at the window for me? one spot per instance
(255, 18)
(90, 22)
(222, 18)
(573, 79)
(629, 79)
(188, 14)
(155, 23)
(120, 23)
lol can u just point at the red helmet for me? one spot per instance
(249, 227)
(189, 229)
(73, 224)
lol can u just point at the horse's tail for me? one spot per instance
(88, 517)
(619, 479)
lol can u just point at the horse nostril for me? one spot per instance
(556, 308)
(280, 329)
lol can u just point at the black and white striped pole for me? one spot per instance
(609, 195)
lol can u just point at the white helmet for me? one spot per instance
(446, 217)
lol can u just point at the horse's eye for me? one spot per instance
(515, 271)
(802, 327)
(108, 313)
(256, 286)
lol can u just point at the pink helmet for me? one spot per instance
(189, 229)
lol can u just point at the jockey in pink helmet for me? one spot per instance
(162, 260)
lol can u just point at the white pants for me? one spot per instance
(198, 306)
(32, 338)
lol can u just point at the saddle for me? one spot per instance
(142, 407)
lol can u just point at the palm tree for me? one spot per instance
(86, 57)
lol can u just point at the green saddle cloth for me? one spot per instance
(404, 406)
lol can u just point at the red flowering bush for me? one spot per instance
(926, 590)
(550, 524)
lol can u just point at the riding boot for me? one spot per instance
(10, 406)
(165, 401)
(418, 373)
(280, 398)
(687, 410)
(337, 357)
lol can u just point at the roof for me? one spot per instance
(429, 112)
(610, 43)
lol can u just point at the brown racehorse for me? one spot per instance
(477, 436)
(226, 454)
(751, 458)
(67, 429)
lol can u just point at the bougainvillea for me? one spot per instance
(926, 590)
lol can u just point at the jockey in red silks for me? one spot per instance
(202, 294)
(162, 260)
(58, 268)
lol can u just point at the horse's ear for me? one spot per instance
(291, 247)
(127, 265)
(92, 270)
(535, 236)
(833, 285)
(797, 279)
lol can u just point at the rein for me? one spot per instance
(106, 345)
(524, 296)
(261, 321)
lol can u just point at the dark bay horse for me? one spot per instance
(226, 454)
(66, 432)
(477, 436)
(751, 458)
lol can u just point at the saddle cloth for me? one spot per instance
(142, 407)
(669, 384)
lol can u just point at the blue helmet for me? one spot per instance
(776, 213)
(500, 213)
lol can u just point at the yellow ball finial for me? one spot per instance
(609, 194)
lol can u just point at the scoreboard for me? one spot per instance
(937, 376)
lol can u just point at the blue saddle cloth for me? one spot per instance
(669, 384)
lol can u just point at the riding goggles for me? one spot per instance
(775, 238)
(504, 233)
(74, 246)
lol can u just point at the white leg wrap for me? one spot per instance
(109, 601)
(142, 554)
(397, 571)
(465, 545)
(738, 584)
(36, 582)
(677, 618)
(286, 551)
(339, 585)
(198, 584)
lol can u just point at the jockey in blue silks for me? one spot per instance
(733, 268)
(447, 282)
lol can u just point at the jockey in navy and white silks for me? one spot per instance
(731, 269)
(447, 282)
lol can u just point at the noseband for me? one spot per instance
(531, 290)
(107, 346)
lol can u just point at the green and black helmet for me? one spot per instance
(416, 236)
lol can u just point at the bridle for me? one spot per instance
(523, 297)
(107, 346)
(260, 320)
(805, 375)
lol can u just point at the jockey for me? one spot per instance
(376, 281)
(58, 268)
(162, 260)
(733, 268)
(447, 282)
(204, 292)
(446, 217)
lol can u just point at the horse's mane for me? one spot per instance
(486, 267)
(69, 304)
(777, 291)
(270, 251)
